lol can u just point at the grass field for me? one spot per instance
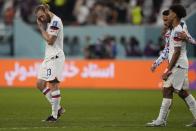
(89, 110)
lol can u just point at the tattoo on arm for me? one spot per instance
(176, 55)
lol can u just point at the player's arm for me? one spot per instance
(161, 58)
(177, 51)
(49, 38)
(175, 56)
(190, 39)
(187, 37)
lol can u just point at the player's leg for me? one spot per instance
(166, 103)
(190, 102)
(164, 109)
(42, 82)
(42, 86)
(59, 64)
(168, 90)
(56, 98)
(54, 71)
(185, 95)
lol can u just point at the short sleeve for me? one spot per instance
(54, 28)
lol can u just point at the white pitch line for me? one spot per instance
(55, 127)
(27, 128)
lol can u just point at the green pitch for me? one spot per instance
(89, 110)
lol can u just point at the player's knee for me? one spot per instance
(41, 84)
(54, 84)
(168, 92)
(183, 94)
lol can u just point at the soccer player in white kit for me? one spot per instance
(176, 75)
(185, 36)
(49, 75)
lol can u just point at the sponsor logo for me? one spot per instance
(71, 70)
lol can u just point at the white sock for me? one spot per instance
(167, 114)
(164, 110)
(47, 92)
(56, 98)
(190, 100)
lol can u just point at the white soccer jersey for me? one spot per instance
(176, 42)
(55, 27)
(164, 54)
(53, 65)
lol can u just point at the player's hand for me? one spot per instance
(182, 35)
(153, 68)
(39, 23)
(166, 75)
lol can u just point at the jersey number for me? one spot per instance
(48, 72)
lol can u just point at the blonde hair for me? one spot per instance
(44, 7)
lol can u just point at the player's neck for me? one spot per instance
(176, 22)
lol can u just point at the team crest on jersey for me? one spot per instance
(54, 25)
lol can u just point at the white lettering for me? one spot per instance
(21, 72)
(94, 71)
(70, 70)
(91, 70)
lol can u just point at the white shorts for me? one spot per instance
(52, 68)
(178, 79)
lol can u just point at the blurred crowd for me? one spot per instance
(95, 12)
(110, 47)
(90, 12)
